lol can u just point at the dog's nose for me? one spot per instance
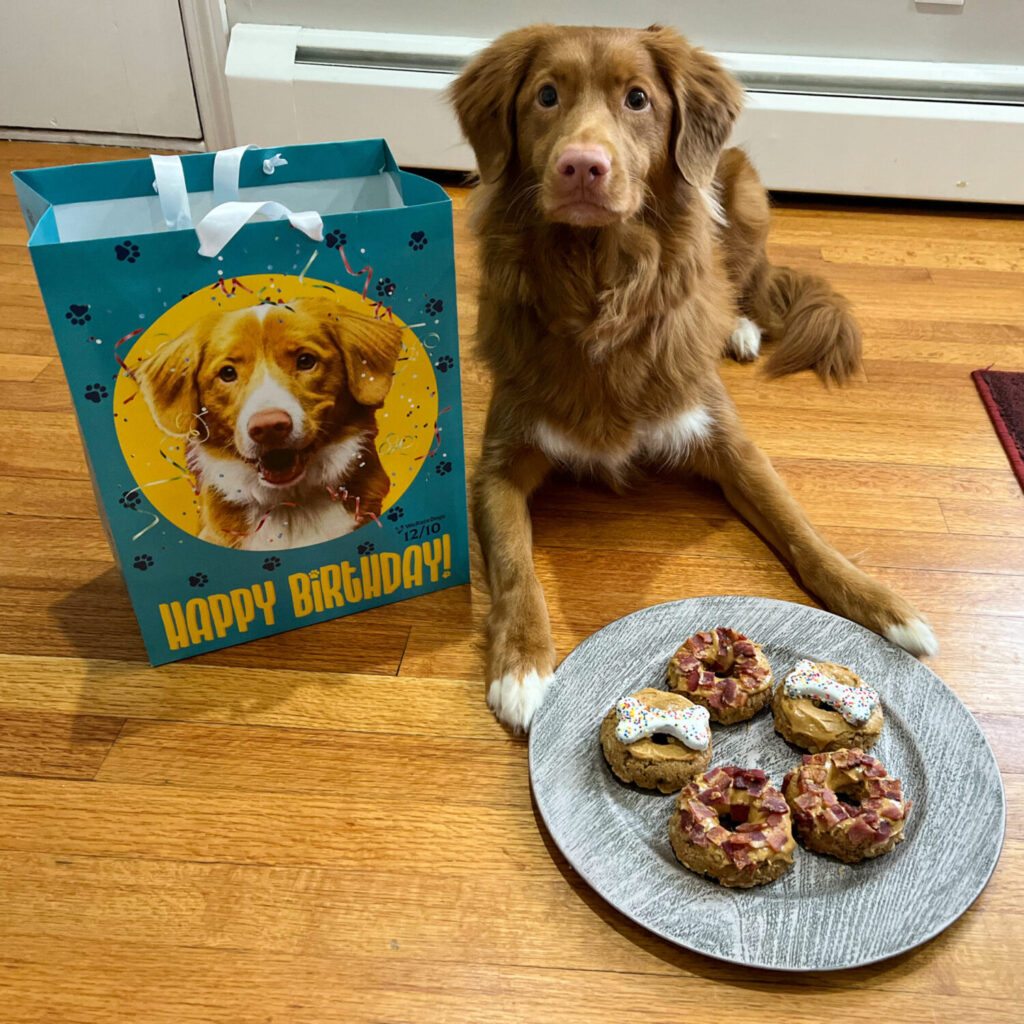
(272, 426)
(584, 163)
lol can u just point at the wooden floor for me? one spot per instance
(209, 841)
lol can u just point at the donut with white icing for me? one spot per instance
(725, 672)
(734, 826)
(845, 804)
(823, 706)
(656, 739)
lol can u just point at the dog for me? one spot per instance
(622, 253)
(278, 402)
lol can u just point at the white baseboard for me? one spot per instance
(150, 143)
(960, 135)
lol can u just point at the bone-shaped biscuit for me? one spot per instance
(854, 703)
(638, 721)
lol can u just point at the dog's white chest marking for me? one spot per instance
(666, 441)
(309, 523)
(291, 517)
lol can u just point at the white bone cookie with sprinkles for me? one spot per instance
(823, 706)
(725, 672)
(656, 739)
(845, 804)
(732, 825)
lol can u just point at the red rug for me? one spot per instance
(1003, 395)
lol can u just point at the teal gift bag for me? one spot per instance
(262, 348)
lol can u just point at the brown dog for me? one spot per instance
(622, 253)
(279, 404)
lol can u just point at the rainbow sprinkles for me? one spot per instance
(638, 721)
(854, 703)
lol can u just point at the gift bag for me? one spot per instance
(262, 349)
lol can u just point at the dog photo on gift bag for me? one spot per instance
(273, 403)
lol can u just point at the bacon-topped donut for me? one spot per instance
(869, 822)
(734, 826)
(725, 672)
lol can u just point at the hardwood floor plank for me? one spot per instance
(59, 746)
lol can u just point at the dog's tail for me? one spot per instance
(810, 323)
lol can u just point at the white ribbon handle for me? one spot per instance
(227, 166)
(223, 222)
(170, 187)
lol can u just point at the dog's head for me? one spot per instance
(272, 384)
(593, 121)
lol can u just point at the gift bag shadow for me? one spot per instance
(115, 678)
(251, 683)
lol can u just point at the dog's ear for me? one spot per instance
(707, 100)
(168, 381)
(484, 97)
(370, 349)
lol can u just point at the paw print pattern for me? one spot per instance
(386, 287)
(334, 238)
(77, 314)
(443, 468)
(95, 393)
(445, 363)
(365, 549)
(418, 240)
(126, 251)
(271, 563)
(395, 513)
(131, 499)
(143, 562)
(434, 306)
(199, 580)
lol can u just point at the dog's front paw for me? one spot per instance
(744, 343)
(913, 635)
(514, 698)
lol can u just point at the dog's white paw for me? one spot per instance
(915, 636)
(514, 698)
(745, 341)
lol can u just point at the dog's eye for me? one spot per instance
(548, 96)
(228, 374)
(306, 361)
(637, 99)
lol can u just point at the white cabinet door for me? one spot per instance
(111, 66)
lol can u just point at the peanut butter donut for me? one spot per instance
(822, 706)
(657, 739)
(725, 672)
(756, 847)
(868, 823)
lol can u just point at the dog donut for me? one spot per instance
(734, 826)
(822, 706)
(657, 739)
(868, 823)
(725, 672)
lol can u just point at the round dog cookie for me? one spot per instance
(822, 706)
(657, 739)
(867, 823)
(725, 672)
(734, 826)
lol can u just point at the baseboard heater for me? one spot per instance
(812, 124)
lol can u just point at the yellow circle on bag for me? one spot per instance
(159, 461)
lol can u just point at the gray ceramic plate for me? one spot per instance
(821, 915)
